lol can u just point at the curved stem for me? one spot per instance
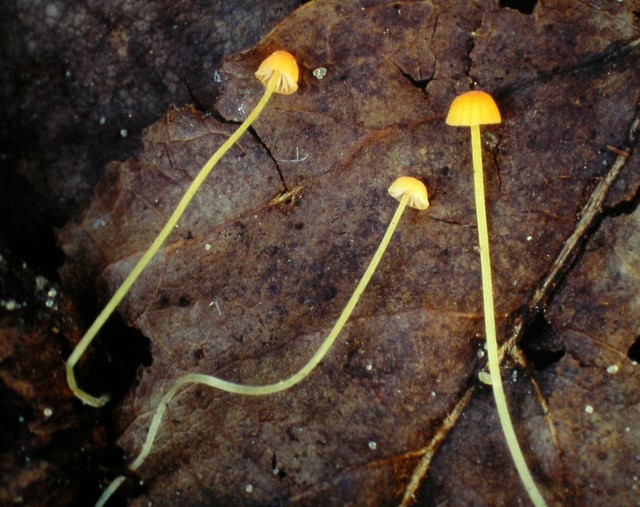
(490, 326)
(110, 490)
(231, 387)
(88, 337)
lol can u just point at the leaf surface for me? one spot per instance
(250, 282)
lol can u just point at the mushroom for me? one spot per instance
(410, 192)
(279, 72)
(472, 109)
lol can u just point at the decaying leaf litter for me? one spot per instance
(246, 291)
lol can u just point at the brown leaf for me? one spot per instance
(593, 393)
(49, 446)
(79, 82)
(246, 289)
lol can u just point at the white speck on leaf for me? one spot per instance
(320, 72)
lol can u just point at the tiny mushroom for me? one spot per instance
(413, 189)
(279, 70)
(410, 192)
(279, 73)
(472, 109)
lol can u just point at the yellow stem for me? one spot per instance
(110, 490)
(490, 326)
(231, 387)
(86, 340)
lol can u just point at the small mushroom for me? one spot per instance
(472, 109)
(281, 69)
(279, 73)
(413, 189)
(410, 192)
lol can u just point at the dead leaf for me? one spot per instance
(79, 82)
(593, 392)
(245, 290)
(49, 446)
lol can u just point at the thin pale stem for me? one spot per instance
(110, 490)
(231, 387)
(106, 312)
(490, 326)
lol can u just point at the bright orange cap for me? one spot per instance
(283, 67)
(473, 108)
(418, 197)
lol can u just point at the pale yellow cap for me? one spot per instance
(417, 191)
(473, 108)
(282, 66)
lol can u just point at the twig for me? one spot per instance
(537, 303)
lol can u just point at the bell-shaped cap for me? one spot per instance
(473, 108)
(283, 67)
(417, 191)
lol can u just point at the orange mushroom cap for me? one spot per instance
(417, 191)
(473, 108)
(282, 66)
